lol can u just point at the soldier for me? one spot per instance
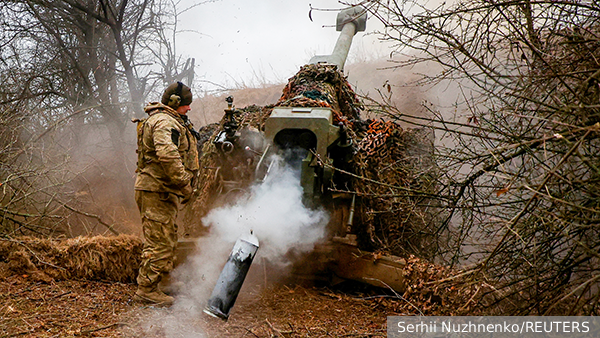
(167, 164)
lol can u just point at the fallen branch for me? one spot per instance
(96, 217)
(466, 273)
(279, 332)
(101, 328)
(397, 295)
(32, 252)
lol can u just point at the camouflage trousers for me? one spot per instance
(158, 211)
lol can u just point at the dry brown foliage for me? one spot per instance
(93, 258)
(517, 154)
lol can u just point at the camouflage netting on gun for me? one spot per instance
(209, 184)
(391, 164)
(322, 86)
(395, 182)
(115, 259)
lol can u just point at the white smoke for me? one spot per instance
(274, 212)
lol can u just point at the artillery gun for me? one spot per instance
(313, 137)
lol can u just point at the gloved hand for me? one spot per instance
(187, 192)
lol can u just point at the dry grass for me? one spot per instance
(93, 258)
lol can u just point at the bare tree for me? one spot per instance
(519, 180)
(74, 72)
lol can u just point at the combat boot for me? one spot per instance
(152, 295)
(170, 288)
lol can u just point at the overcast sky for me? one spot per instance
(240, 42)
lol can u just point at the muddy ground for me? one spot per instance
(31, 307)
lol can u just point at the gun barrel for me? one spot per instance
(349, 21)
(342, 46)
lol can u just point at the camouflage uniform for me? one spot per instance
(167, 163)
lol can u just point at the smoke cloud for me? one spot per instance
(274, 212)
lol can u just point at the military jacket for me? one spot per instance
(167, 151)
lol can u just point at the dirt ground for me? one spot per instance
(70, 308)
(61, 289)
